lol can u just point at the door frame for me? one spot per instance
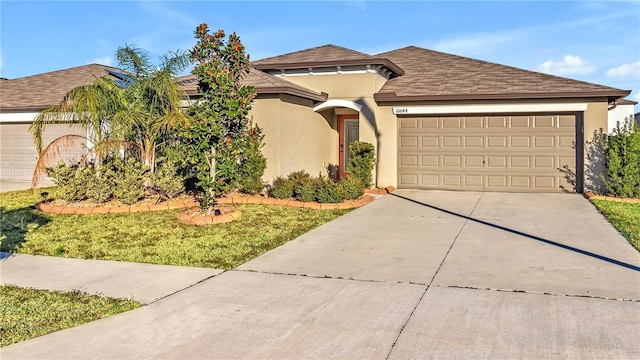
(341, 145)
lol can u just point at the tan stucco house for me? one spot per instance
(438, 121)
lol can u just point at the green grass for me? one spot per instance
(152, 237)
(624, 216)
(28, 313)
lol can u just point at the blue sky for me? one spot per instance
(592, 41)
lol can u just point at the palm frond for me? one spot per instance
(53, 152)
(134, 60)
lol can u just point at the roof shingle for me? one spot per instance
(38, 92)
(433, 75)
(263, 83)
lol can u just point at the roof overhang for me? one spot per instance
(316, 64)
(392, 97)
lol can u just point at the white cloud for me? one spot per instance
(359, 4)
(474, 44)
(636, 97)
(1, 62)
(570, 65)
(625, 70)
(102, 60)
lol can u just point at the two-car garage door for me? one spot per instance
(520, 153)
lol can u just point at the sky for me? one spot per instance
(594, 41)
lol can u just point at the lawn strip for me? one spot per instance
(623, 216)
(154, 237)
(28, 313)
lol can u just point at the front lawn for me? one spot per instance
(28, 313)
(624, 216)
(151, 237)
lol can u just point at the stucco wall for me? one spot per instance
(296, 138)
(358, 88)
(619, 113)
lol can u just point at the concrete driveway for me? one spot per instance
(414, 274)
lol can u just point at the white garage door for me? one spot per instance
(519, 153)
(18, 155)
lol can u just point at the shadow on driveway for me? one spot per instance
(520, 233)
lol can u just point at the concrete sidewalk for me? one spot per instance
(418, 274)
(144, 283)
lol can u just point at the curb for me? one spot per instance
(591, 196)
(350, 204)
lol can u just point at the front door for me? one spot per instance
(348, 132)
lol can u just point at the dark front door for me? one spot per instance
(348, 132)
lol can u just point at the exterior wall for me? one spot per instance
(595, 120)
(296, 138)
(619, 113)
(358, 88)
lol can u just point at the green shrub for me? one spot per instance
(253, 163)
(351, 188)
(282, 188)
(303, 185)
(327, 191)
(361, 161)
(71, 180)
(621, 150)
(100, 185)
(168, 180)
(129, 176)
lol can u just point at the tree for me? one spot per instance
(137, 112)
(153, 98)
(93, 107)
(218, 128)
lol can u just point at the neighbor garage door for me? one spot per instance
(487, 153)
(18, 155)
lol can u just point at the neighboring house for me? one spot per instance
(438, 121)
(21, 100)
(619, 111)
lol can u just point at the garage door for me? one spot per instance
(18, 154)
(488, 153)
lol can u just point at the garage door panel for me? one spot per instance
(430, 142)
(18, 151)
(497, 122)
(495, 153)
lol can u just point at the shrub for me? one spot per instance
(253, 163)
(71, 180)
(351, 188)
(621, 150)
(168, 180)
(303, 185)
(361, 161)
(128, 179)
(282, 188)
(327, 191)
(100, 185)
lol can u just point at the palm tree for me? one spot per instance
(93, 107)
(154, 98)
(139, 111)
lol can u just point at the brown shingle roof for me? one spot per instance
(264, 84)
(326, 55)
(432, 75)
(626, 102)
(38, 92)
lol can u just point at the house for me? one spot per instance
(619, 111)
(22, 100)
(437, 121)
